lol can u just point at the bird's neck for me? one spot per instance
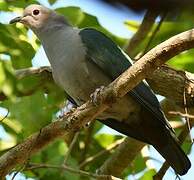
(60, 42)
(50, 28)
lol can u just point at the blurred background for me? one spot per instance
(33, 101)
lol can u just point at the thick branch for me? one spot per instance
(145, 66)
(88, 111)
(43, 79)
(165, 81)
(171, 83)
(122, 157)
(101, 153)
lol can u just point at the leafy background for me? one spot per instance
(31, 107)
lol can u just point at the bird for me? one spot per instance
(82, 60)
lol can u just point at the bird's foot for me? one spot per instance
(95, 96)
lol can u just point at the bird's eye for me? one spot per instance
(36, 12)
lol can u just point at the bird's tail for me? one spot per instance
(154, 133)
(175, 156)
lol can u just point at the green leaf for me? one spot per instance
(169, 29)
(89, 21)
(7, 79)
(132, 25)
(148, 175)
(22, 3)
(31, 111)
(82, 20)
(12, 43)
(183, 61)
(12, 126)
(73, 14)
(105, 139)
(137, 166)
(52, 1)
(54, 154)
(139, 163)
(4, 6)
(187, 146)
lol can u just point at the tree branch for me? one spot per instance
(182, 114)
(87, 143)
(88, 111)
(165, 81)
(101, 153)
(22, 73)
(163, 16)
(72, 170)
(122, 157)
(71, 147)
(145, 66)
(43, 78)
(171, 83)
(142, 32)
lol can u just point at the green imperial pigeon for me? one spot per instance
(83, 60)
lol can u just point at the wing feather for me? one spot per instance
(113, 61)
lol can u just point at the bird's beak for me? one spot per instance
(15, 20)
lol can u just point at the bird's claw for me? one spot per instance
(95, 96)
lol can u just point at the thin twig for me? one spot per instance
(145, 154)
(72, 170)
(142, 32)
(122, 157)
(15, 174)
(87, 141)
(181, 114)
(155, 32)
(21, 73)
(19, 170)
(186, 112)
(101, 153)
(4, 116)
(176, 124)
(161, 171)
(75, 138)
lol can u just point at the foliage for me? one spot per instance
(31, 107)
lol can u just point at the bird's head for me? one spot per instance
(34, 16)
(37, 17)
